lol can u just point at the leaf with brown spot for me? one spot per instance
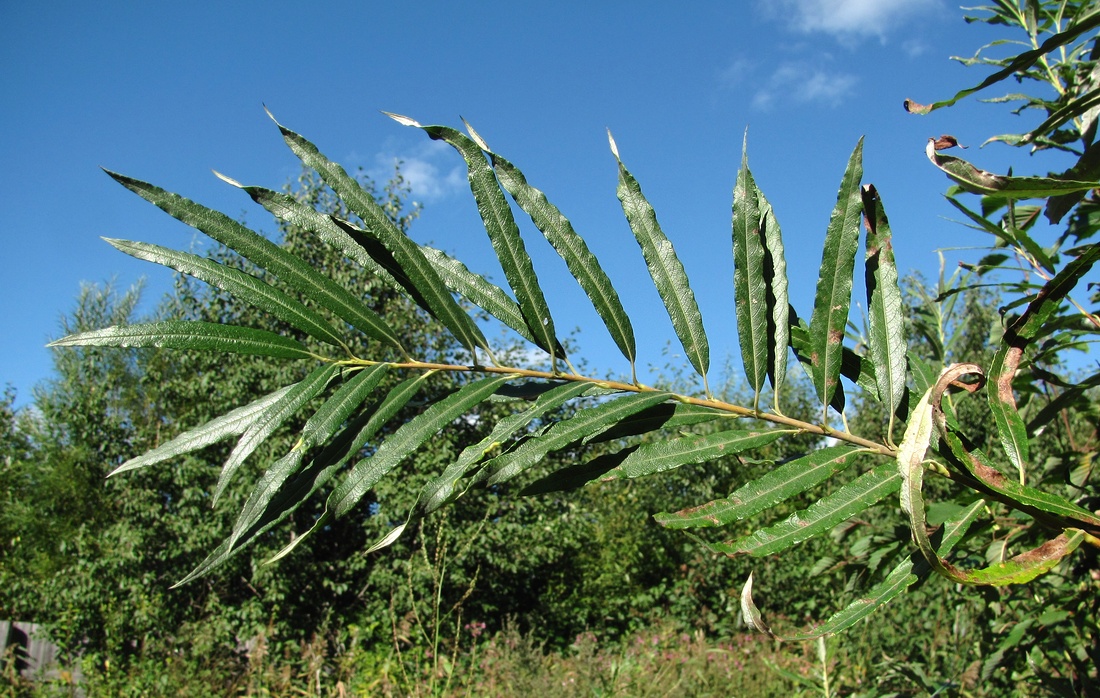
(916, 107)
(945, 141)
(834, 283)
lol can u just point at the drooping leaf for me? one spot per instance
(910, 461)
(572, 248)
(978, 181)
(409, 437)
(777, 485)
(408, 255)
(834, 282)
(750, 613)
(585, 423)
(1002, 370)
(328, 418)
(271, 419)
(502, 230)
(886, 317)
(296, 491)
(267, 255)
(195, 335)
(443, 489)
(860, 494)
(907, 573)
(665, 268)
(231, 423)
(750, 287)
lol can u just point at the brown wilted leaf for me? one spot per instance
(916, 107)
(944, 142)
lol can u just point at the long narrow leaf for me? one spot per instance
(978, 181)
(775, 279)
(775, 486)
(664, 266)
(502, 230)
(572, 248)
(186, 334)
(485, 295)
(750, 288)
(440, 303)
(267, 255)
(231, 423)
(859, 495)
(886, 317)
(907, 573)
(237, 283)
(662, 455)
(834, 282)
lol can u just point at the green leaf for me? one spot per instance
(584, 424)
(834, 282)
(907, 573)
(886, 316)
(1006, 235)
(409, 437)
(777, 485)
(977, 181)
(1002, 369)
(666, 454)
(1019, 63)
(269, 256)
(750, 288)
(300, 488)
(974, 461)
(318, 429)
(420, 272)
(237, 283)
(300, 215)
(229, 424)
(665, 268)
(775, 279)
(856, 496)
(502, 230)
(582, 264)
(271, 419)
(184, 334)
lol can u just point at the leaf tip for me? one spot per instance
(403, 120)
(614, 146)
(475, 136)
(227, 179)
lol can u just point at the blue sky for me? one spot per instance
(166, 93)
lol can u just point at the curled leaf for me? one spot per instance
(945, 141)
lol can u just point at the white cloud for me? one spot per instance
(848, 20)
(432, 169)
(805, 83)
